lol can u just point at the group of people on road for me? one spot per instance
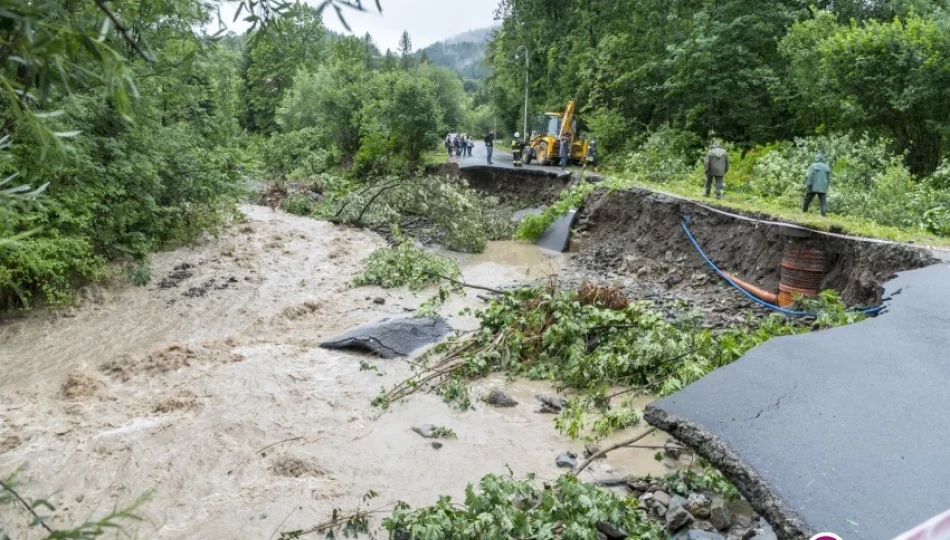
(817, 179)
(459, 145)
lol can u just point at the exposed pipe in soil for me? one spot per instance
(758, 292)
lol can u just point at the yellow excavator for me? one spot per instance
(543, 144)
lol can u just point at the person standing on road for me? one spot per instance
(516, 150)
(448, 144)
(471, 145)
(490, 145)
(717, 165)
(458, 146)
(565, 150)
(819, 180)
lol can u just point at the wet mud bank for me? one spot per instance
(652, 224)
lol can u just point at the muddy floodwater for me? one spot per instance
(207, 388)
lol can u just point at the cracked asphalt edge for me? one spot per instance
(786, 523)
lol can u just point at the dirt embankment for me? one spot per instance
(650, 224)
(748, 247)
(527, 186)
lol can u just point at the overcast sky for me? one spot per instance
(427, 21)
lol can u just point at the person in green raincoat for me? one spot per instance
(819, 180)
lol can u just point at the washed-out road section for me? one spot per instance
(841, 431)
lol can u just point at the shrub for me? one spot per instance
(507, 508)
(406, 265)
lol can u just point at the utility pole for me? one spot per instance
(527, 65)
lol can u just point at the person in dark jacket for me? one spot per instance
(490, 145)
(717, 165)
(565, 150)
(819, 180)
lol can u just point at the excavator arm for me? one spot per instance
(567, 121)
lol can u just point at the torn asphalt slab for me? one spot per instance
(392, 338)
(839, 431)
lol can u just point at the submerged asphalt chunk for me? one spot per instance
(392, 338)
(839, 431)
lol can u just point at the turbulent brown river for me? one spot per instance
(207, 388)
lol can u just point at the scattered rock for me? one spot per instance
(195, 292)
(550, 404)
(437, 445)
(426, 430)
(643, 271)
(696, 534)
(379, 301)
(567, 460)
(677, 518)
(638, 485)
(672, 449)
(698, 505)
(660, 511)
(662, 497)
(611, 532)
(498, 398)
(392, 338)
(719, 515)
(590, 449)
(673, 280)
(765, 531)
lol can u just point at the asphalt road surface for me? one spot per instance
(848, 426)
(501, 159)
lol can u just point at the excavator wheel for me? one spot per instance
(543, 154)
(526, 152)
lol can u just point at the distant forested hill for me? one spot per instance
(462, 53)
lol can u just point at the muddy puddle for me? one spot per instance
(207, 388)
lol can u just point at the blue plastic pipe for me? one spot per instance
(790, 313)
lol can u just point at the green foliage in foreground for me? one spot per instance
(508, 508)
(406, 265)
(37, 516)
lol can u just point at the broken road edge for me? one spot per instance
(786, 523)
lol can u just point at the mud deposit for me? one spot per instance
(222, 404)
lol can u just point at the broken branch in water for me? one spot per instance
(467, 285)
(611, 448)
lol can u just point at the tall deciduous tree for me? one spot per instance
(274, 57)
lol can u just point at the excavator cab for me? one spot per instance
(543, 143)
